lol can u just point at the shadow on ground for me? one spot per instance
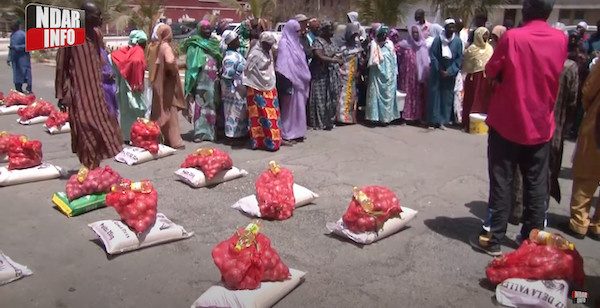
(478, 208)
(460, 228)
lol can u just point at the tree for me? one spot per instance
(116, 13)
(464, 9)
(386, 11)
(257, 8)
(147, 13)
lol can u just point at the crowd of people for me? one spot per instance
(247, 84)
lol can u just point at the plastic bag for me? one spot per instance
(391, 226)
(210, 161)
(136, 203)
(539, 262)
(532, 293)
(11, 270)
(370, 208)
(267, 295)
(57, 119)
(196, 178)
(80, 205)
(10, 109)
(145, 134)
(275, 192)
(118, 238)
(247, 258)
(40, 173)
(87, 182)
(54, 130)
(24, 153)
(249, 205)
(135, 156)
(18, 98)
(33, 121)
(39, 108)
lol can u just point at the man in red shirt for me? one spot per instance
(526, 65)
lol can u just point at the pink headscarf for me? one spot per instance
(291, 59)
(421, 51)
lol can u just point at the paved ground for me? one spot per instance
(441, 174)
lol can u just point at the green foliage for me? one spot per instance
(386, 11)
(147, 13)
(258, 8)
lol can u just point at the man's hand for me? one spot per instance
(62, 105)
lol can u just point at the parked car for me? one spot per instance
(590, 30)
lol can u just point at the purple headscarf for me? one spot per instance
(420, 48)
(394, 36)
(291, 60)
(373, 31)
(108, 85)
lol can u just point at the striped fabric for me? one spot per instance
(95, 134)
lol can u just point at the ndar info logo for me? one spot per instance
(52, 27)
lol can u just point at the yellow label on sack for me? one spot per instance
(63, 207)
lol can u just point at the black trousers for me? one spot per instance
(504, 157)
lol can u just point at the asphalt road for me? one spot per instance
(441, 174)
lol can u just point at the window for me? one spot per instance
(564, 16)
(578, 15)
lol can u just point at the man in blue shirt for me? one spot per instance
(19, 59)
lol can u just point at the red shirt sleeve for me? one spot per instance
(495, 65)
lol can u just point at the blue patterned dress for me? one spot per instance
(233, 95)
(382, 105)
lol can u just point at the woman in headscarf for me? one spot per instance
(233, 92)
(129, 65)
(478, 88)
(497, 33)
(109, 85)
(350, 49)
(263, 104)
(201, 81)
(382, 105)
(291, 65)
(434, 32)
(413, 65)
(167, 93)
(577, 54)
(244, 36)
(325, 82)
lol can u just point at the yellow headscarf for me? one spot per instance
(478, 54)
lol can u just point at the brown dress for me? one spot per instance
(167, 98)
(95, 133)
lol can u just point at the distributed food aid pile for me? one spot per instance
(252, 272)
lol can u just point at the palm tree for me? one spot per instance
(116, 12)
(148, 12)
(386, 11)
(258, 8)
(464, 9)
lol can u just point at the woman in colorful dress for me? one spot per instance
(263, 104)
(167, 93)
(478, 88)
(382, 106)
(351, 49)
(325, 82)
(292, 65)
(109, 85)
(413, 65)
(129, 65)
(201, 81)
(233, 92)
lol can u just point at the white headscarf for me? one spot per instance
(446, 51)
(154, 35)
(259, 72)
